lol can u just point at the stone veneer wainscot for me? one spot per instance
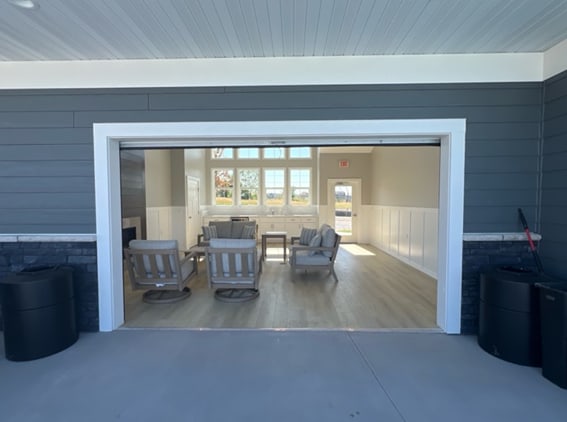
(77, 251)
(483, 252)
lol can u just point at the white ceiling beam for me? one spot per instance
(555, 60)
(353, 70)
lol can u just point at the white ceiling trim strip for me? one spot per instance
(521, 67)
(555, 60)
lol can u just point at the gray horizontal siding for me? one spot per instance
(554, 178)
(63, 102)
(48, 135)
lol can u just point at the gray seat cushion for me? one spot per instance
(305, 258)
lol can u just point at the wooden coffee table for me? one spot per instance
(196, 251)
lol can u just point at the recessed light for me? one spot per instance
(25, 4)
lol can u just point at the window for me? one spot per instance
(248, 153)
(274, 182)
(249, 186)
(300, 187)
(224, 186)
(274, 153)
(300, 152)
(222, 153)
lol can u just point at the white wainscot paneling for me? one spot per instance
(430, 241)
(409, 234)
(394, 230)
(158, 223)
(416, 237)
(404, 233)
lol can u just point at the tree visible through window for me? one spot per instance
(249, 186)
(224, 186)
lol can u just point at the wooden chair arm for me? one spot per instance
(294, 238)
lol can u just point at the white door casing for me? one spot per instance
(109, 137)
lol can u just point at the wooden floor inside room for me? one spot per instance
(375, 291)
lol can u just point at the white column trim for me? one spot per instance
(108, 137)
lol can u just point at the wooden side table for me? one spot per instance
(274, 235)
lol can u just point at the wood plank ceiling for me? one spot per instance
(169, 29)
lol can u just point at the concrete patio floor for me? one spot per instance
(233, 375)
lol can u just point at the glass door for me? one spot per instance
(344, 203)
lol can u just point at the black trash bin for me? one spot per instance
(553, 303)
(38, 307)
(509, 322)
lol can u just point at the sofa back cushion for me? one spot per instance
(156, 244)
(209, 232)
(233, 244)
(306, 235)
(328, 238)
(224, 228)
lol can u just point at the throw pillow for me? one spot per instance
(328, 241)
(315, 242)
(306, 235)
(248, 232)
(209, 232)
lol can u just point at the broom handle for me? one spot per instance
(530, 241)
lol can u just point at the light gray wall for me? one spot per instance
(196, 168)
(46, 152)
(158, 178)
(405, 176)
(360, 166)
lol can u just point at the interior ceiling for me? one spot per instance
(177, 29)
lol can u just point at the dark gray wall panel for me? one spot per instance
(62, 102)
(555, 144)
(554, 162)
(554, 178)
(41, 136)
(47, 168)
(556, 108)
(48, 217)
(48, 134)
(509, 164)
(498, 147)
(54, 200)
(372, 97)
(45, 119)
(491, 181)
(46, 152)
(506, 197)
(46, 184)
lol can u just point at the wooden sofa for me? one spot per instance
(228, 230)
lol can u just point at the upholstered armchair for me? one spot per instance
(233, 269)
(317, 250)
(155, 265)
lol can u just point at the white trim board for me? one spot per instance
(281, 71)
(109, 137)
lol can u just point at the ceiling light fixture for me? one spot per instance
(25, 4)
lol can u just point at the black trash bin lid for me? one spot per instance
(36, 287)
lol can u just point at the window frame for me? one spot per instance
(265, 186)
(291, 186)
(239, 188)
(214, 186)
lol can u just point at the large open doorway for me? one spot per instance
(110, 137)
